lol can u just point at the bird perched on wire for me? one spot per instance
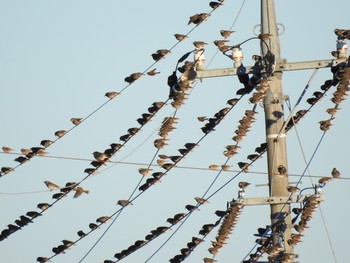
(325, 125)
(198, 18)
(101, 157)
(292, 189)
(111, 94)
(76, 121)
(60, 133)
(132, 77)
(124, 203)
(180, 37)
(214, 4)
(103, 219)
(199, 44)
(243, 185)
(201, 200)
(6, 149)
(335, 173)
(51, 185)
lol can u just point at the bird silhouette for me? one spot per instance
(58, 196)
(43, 206)
(99, 156)
(46, 143)
(81, 234)
(103, 219)
(21, 159)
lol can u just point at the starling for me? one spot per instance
(93, 226)
(214, 4)
(132, 77)
(60, 133)
(111, 94)
(81, 234)
(282, 170)
(180, 37)
(124, 203)
(76, 121)
(51, 186)
(226, 33)
(79, 191)
(335, 173)
(101, 157)
(43, 206)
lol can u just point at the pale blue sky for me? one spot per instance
(59, 58)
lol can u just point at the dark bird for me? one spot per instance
(180, 37)
(67, 243)
(292, 189)
(81, 234)
(253, 157)
(243, 166)
(111, 94)
(6, 170)
(93, 226)
(33, 214)
(232, 102)
(125, 137)
(198, 18)
(184, 151)
(214, 4)
(220, 213)
(191, 208)
(42, 259)
(103, 219)
(58, 196)
(59, 249)
(21, 159)
(132, 77)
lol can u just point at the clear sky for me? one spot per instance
(57, 61)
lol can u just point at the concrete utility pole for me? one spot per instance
(279, 198)
(275, 136)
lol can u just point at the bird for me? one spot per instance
(79, 191)
(232, 102)
(124, 203)
(325, 124)
(42, 259)
(132, 77)
(198, 18)
(225, 167)
(243, 166)
(93, 226)
(191, 208)
(163, 52)
(153, 72)
(335, 173)
(60, 133)
(144, 171)
(243, 185)
(180, 37)
(282, 170)
(101, 157)
(325, 180)
(332, 111)
(264, 36)
(292, 189)
(76, 121)
(199, 44)
(43, 206)
(201, 200)
(46, 143)
(21, 159)
(103, 219)
(81, 234)
(25, 151)
(226, 33)
(58, 196)
(220, 43)
(67, 243)
(111, 94)
(202, 118)
(253, 157)
(213, 167)
(6, 149)
(214, 4)
(33, 214)
(51, 185)
(256, 58)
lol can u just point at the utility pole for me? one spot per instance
(272, 69)
(275, 136)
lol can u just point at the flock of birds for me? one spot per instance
(178, 88)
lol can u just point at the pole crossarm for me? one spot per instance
(277, 200)
(280, 67)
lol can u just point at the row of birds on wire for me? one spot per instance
(176, 158)
(76, 121)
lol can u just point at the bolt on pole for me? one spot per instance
(274, 120)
